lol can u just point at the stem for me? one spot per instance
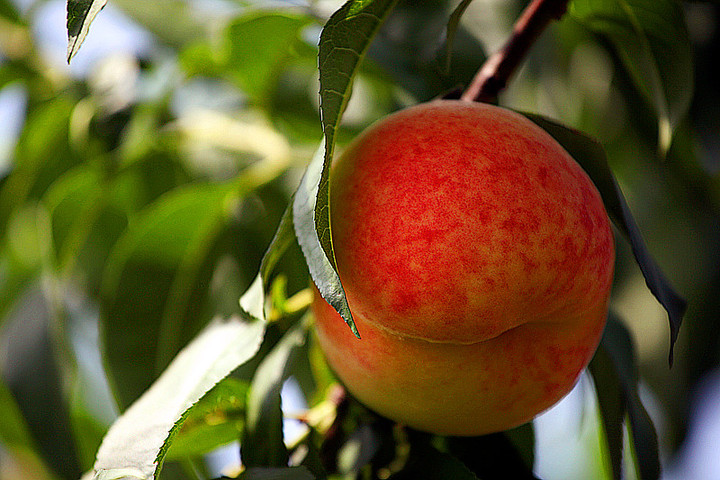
(495, 73)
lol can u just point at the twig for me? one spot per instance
(495, 73)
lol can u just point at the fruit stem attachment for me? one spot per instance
(495, 73)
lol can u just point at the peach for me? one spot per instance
(477, 259)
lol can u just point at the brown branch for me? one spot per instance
(495, 73)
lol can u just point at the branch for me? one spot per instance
(495, 73)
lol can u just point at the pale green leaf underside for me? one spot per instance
(137, 442)
(321, 268)
(80, 14)
(343, 43)
(134, 445)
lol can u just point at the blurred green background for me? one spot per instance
(140, 186)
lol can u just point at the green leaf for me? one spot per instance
(612, 404)
(16, 274)
(262, 444)
(155, 285)
(287, 473)
(651, 39)
(452, 28)
(13, 430)
(87, 217)
(8, 10)
(322, 270)
(80, 14)
(257, 45)
(215, 420)
(617, 343)
(220, 348)
(42, 154)
(343, 43)
(416, 60)
(136, 444)
(591, 156)
(15, 437)
(187, 23)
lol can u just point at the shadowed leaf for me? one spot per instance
(651, 39)
(591, 156)
(262, 443)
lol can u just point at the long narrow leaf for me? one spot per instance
(591, 156)
(136, 444)
(321, 269)
(262, 442)
(343, 44)
(612, 404)
(618, 344)
(80, 14)
(651, 39)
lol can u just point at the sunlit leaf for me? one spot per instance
(262, 444)
(220, 348)
(652, 40)
(343, 44)
(80, 14)
(321, 268)
(591, 156)
(135, 446)
(215, 420)
(257, 44)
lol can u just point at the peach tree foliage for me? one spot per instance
(161, 250)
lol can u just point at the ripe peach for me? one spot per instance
(477, 259)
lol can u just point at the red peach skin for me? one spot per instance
(477, 259)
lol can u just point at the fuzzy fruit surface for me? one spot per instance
(477, 259)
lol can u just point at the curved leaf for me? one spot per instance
(80, 14)
(614, 371)
(257, 44)
(591, 156)
(262, 444)
(136, 444)
(215, 420)
(218, 350)
(343, 43)
(322, 270)
(452, 28)
(652, 41)
(612, 405)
